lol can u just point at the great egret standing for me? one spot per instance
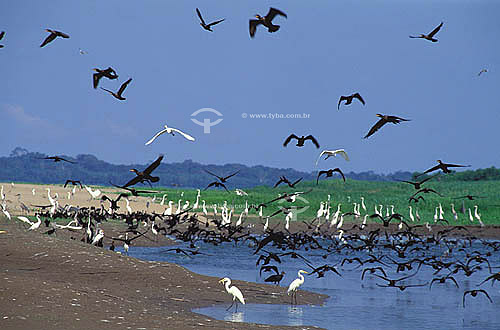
(295, 285)
(234, 291)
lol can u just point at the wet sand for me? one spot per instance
(56, 282)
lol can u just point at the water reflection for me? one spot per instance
(235, 317)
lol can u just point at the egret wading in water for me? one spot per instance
(234, 291)
(295, 285)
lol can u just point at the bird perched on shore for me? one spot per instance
(204, 25)
(441, 166)
(109, 73)
(292, 288)
(53, 34)
(145, 176)
(266, 21)
(329, 173)
(349, 99)
(301, 140)
(234, 291)
(430, 35)
(118, 95)
(330, 153)
(170, 130)
(276, 278)
(57, 159)
(384, 119)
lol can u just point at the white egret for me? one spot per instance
(33, 191)
(266, 225)
(330, 153)
(170, 130)
(470, 216)
(292, 288)
(363, 203)
(238, 223)
(411, 214)
(204, 208)
(455, 215)
(98, 237)
(240, 192)
(234, 291)
(93, 193)
(36, 225)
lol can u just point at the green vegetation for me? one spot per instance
(375, 193)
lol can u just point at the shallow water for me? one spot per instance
(353, 304)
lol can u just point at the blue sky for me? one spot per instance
(323, 50)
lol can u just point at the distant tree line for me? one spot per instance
(25, 166)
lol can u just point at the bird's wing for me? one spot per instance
(310, 137)
(427, 179)
(69, 161)
(156, 135)
(49, 38)
(342, 98)
(278, 183)
(319, 174)
(107, 90)
(67, 181)
(26, 220)
(432, 169)
(342, 153)
(273, 12)
(2, 34)
(231, 175)
(132, 182)
(153, 166)
(95, 78)
(199, 15)
(359, 98)
(321, 154)
(215, 22)
(61, 34)
(288, 139)
(187, 136)
(376, 127)
(293, 184)
(218, 177)
(252, 26)
(339, 171)
(123, 86)
(455, 165)
(433, 32)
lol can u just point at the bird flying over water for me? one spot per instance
(170, 130)
(349, 99)
(266, 21)
(384, 119)
(301, 140)
(204, 25)
(53, 34)
(430, 35)
(120, 91)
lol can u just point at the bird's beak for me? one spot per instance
(306, 272)
(221, 281)
(257, 16)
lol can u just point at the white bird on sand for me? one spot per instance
(266, 225)
(163, 199)
(292, 288)
(204, 208)
(330, 153)
(98, 237)
(234, 291)
(238, 223)
(4, 210)
(129, 209)
(170, 130)
(33, 191)
(35, 225)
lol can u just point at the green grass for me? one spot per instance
(375, 193)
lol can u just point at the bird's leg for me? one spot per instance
(230, 306)
(236, 309)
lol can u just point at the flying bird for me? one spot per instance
(329, 173)
(349, 99)
(1, 37)
(145, 176)
(480, 72)
(120, 91)
(384, 119)
(204, 25)
(74, 183)
(170, 130)
(330, 153)
(222, 179)
(283, 179)
(418, 184)
(53, 34)
(430, 35)
(474, 293)
(216, 184)
(301, 140)
(109, 73)
(266, 21)
(57, 159)
(442, 166)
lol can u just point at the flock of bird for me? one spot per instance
(376, 250)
